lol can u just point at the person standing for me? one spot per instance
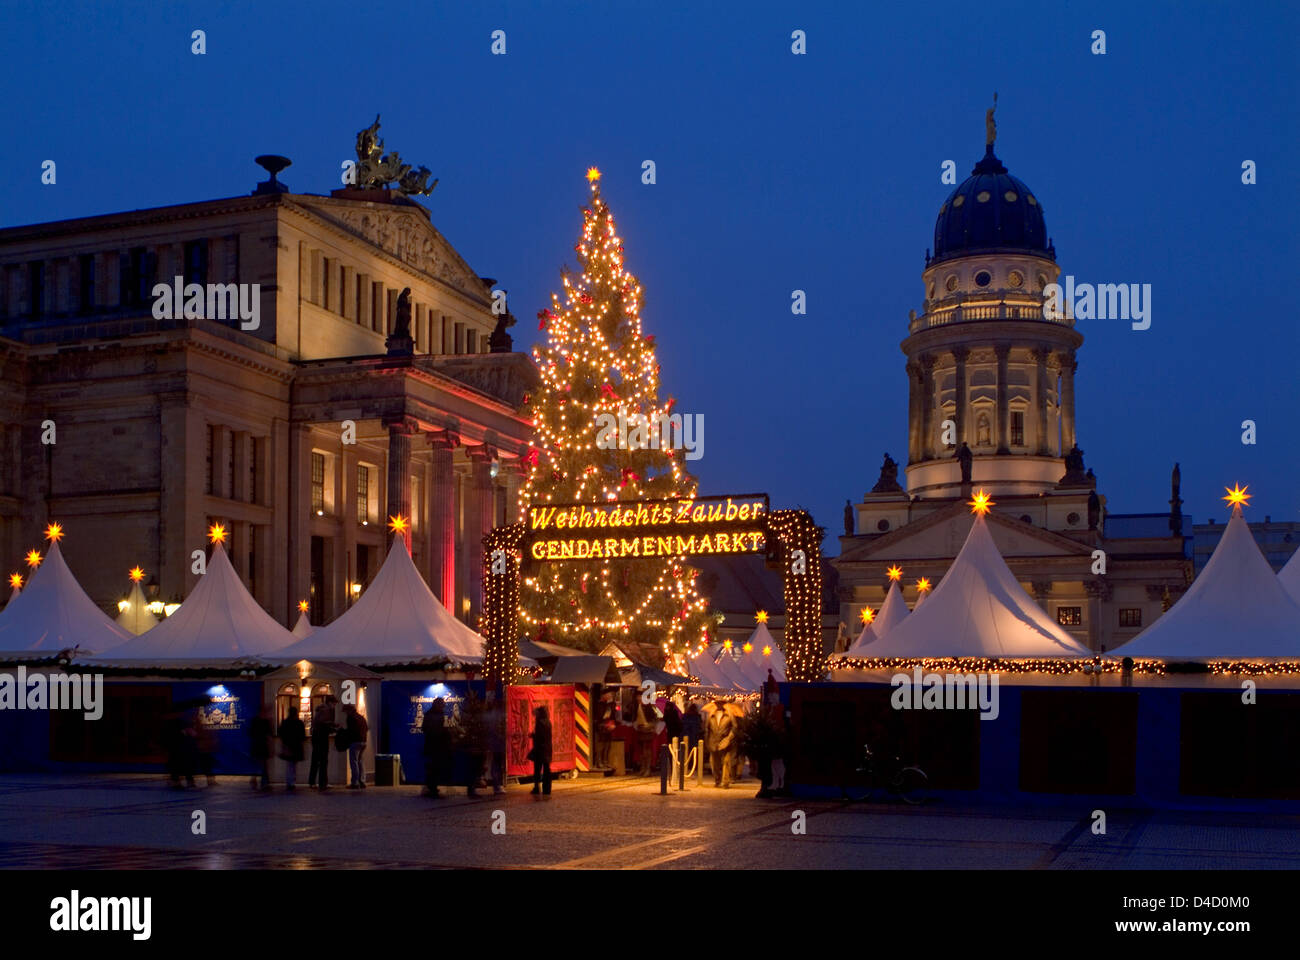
(292, 737)
(781, 748)
(259, 747)
(722, 738)
(357, 731)
(673, 727)
(322, 725)
(541, 752)
(647, 719)
(434, 729)
(604, 729)
(693, 726)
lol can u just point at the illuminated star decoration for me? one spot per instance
(748, 647)
(923, 584)
(767, 651)
(302, 605)
(726, 645)
(54, 532)
(760, 617)
(33, 559)
(592, 174)
(895, 572)
(398, 524)
(1238, 497)
(16, 580)
(980, 503)
(866, 616)
(136, 574)
(217, 533)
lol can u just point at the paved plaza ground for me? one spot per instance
(137, 822)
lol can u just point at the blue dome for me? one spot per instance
(990, 212)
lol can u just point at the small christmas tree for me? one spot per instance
(597, 361)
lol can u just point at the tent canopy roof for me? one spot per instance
(1237, 607)
(53, 613)
(218, 620)
(978, 609)
(397, 619)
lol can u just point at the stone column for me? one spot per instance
(1003, 412)
(914, 386)
(480, 518)
(959, 356)
(295, 524)
(400, 430)
(1068, 366)
(1040, 387)
(182, 517)
(515, 474)
(927, 407)
(442, 517)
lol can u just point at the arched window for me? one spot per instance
(287, 697)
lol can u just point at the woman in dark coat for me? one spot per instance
(437, 743)
(292, 736)
(259, 747)
(541, 752)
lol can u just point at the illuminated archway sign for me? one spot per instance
(680, 527)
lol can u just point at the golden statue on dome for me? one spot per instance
(990, 128)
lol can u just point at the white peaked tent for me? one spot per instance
(892, 612)
(729, 666)
(220, 621)
(1289, 576)
(136, 617)
(396, 620)
(755, 665)
(1237, 607)
(14, 595)
(979, 609)
(303, 628)
(706, 668)
(53, 613)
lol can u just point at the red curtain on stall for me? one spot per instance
(521, 702)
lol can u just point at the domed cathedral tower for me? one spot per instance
(985, 369)
(991, 385)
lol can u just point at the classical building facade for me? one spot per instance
(992, 406)
(368, 376)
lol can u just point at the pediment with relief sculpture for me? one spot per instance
(406, 235)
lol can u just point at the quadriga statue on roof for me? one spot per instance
(376, 170)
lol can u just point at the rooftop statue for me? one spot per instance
(377, 170)
(990, 128)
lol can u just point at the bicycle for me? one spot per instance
(908, 783)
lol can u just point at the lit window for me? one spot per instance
(318, 483)
(1130, 617)
(1069, 616)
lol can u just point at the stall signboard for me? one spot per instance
(231, 706)
(405, 703)
(521, 706)
(680, 526)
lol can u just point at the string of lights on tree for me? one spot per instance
(797, 548)
(598, 360)
(500, 623)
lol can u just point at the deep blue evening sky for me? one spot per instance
(775, 172)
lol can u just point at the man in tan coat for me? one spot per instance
(721, 737)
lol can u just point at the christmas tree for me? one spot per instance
(597, 362)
